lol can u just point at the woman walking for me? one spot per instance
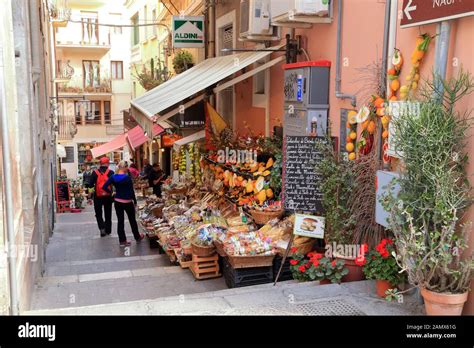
(124, 202)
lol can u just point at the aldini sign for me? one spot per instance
(188, 31)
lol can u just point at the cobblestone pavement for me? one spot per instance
(87, 274)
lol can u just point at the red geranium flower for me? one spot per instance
(389, 241)
(360, 261)
(333, 263)
(318, 256)
(316, 263)
(293, 250)
(302, 269)
(385, 253)
(293, 262)
(364, 248)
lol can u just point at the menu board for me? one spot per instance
(62, 192)
(300, 177)
(69, 155)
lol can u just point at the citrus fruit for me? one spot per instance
(349, 147)
(353, 135)
(385, 120)
(395, 85)
(269, 193)
(371, 127)
(352, 156)
(385, 134)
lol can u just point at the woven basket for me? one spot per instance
(251, 261)
(220, 248)
(262, 217)
(203, 250)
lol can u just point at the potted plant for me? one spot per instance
(182, 61)
(315, 266)
(382, 266)
(434, 192)
(336, 185)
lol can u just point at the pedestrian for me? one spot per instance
(124, 202)
(102, 199)
(133, 171)
(87, 183)
(147, 169)
(155, 179)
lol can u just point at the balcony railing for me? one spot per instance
(76, 86)
(84, 33)
(66, 127)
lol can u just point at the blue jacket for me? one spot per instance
(123, 186)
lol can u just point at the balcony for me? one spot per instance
(83, 37)
(59, 12)
(66, 127)
(76, 86)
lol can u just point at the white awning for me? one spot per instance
(190, 139)
(61, 151)
(194, 80)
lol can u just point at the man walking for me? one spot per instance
(102, 198)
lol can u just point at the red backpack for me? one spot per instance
(101, 180)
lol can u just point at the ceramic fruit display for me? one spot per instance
(393, 74)
(413, 78)
(366, 118)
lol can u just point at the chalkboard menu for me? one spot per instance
(62, 192)
(300, 177)
(69, 155)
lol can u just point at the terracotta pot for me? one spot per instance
(382, 286)
(324, 282)
(355, 272)
(443, 304)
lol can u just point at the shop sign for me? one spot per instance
(188, 31)
(167, 140)
(309, 226)
(420, 12)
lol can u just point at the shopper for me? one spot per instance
(102, 199)
(133, 171)
(155, 179)
(125, 202)
(147, 169)
(87, 182)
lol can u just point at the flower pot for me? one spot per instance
(443, 303)
(355, 271)
(382, 286)
(324, 282)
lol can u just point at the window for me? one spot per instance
(135, 30)
(93, 115)
(90, 27)
(107, 114)
(153, 18)
(91, 70)
(116, 67)
(79, 111)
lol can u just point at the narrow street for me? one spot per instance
(87, 275)
(83, 269)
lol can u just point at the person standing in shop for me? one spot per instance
(102, 199)
(133, 171)
(156, 179)
(147, 169)
(124, 202)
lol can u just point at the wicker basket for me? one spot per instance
(220, 248)
(251, 261)
(203, 250)
(300, 249)
(262, 217)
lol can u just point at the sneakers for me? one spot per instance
(141, 237)
(102, 232)
(126, 243)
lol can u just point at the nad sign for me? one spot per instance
(419, 12)
(188, 31)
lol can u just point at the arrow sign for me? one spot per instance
(420, 12)
(408, 9)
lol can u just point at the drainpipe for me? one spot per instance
(392, 36)
(386, 30)
(443, 32)
(8, 199)
(212, 29)
(339, 94)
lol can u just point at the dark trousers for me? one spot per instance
(129, 208)
(106, 204)
(157, 190)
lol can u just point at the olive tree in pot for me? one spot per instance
(426, 215)
(336, 185)
(182, 61)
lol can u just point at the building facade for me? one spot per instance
(28, 149)
(93, 79)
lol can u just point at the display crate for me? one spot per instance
(285, 271)
(240, 277)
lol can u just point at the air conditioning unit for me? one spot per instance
(255, 18)
(310, 7)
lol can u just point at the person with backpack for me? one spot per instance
(102, 199)
(124, 202)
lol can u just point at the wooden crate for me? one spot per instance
(251, 261)
(205, 267)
